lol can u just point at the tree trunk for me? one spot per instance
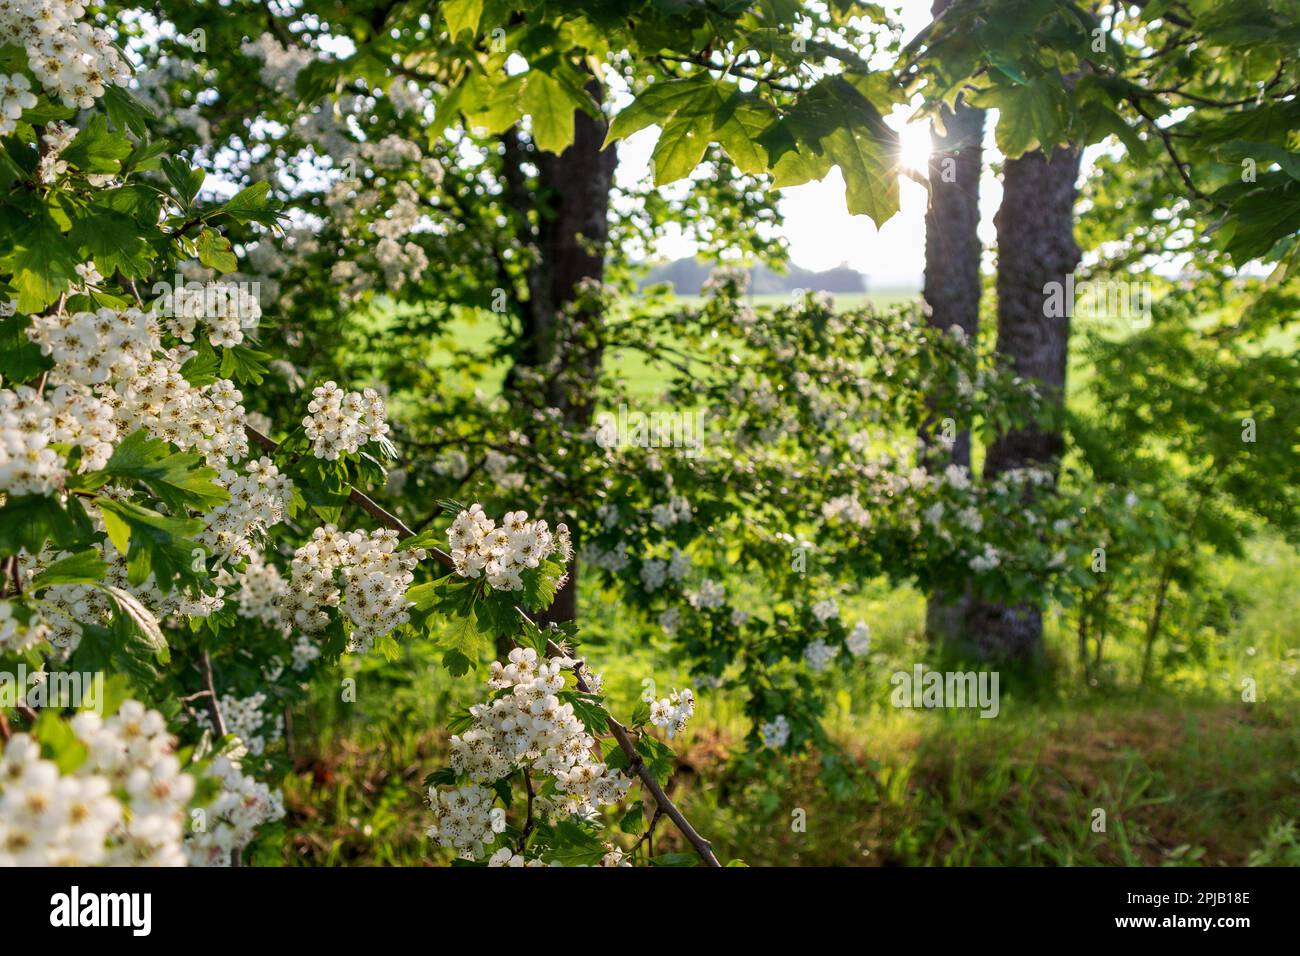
(952, 291)
(1153, 623)
(570, 241)
(1036, 248)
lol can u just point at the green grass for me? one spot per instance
(1187, 773)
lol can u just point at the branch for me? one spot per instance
(729, 70)
(1166, 138)
(366, 503)
(528, 821)
(651, 785)
(619, 732)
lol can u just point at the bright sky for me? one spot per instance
(821, 233)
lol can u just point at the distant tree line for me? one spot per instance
(687, 276)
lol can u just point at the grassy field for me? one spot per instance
(1186, 772)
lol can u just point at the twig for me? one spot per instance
(528, 819)
(648, 838)
(214, 708)
(218, 722)
(1166, 138)
(288, 734)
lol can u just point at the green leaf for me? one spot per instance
(186, 181)
(96, 149)
(28, 521)
(114, 241)
(532, 636)
(634, 820)
(152, 543)
(680, 148)
(201, 368)
(551, 106)
(656, 104)
(865, 149)
(444, 776)
(461, 15)
(540, 585)
(127, 112)
(868, 165)
(20, 358)
(1030, 116)
(214, 251)
(84, 567)
(746, 119)
(59, 743)
(1263, 154)
(657, 756)
(179, 479)
(243, 364)
(574, 846)
(588, 709)
(458, 664)
(492, 106)
(459, 722)
(641, 714)
(43, 262)
(145, 623)
(463, 643)
(251, 204)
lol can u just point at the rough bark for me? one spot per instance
(952, 287)
(1036, 247)
(570, 241)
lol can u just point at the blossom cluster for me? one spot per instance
(819, 654)
(232, 819)
(523, 725)
(124, 805)
(70, 606)
(259, 589)
(672, 712)
(775, 732)
(31, 424)
(258, 499)
(341, 422)
(678, 509)
(94, 348)
(859, 640)
(118, 354)
(245, 718)
(17, 635)
(375, 577)
(72, 59)
(226, 308)
(15, 96)
(502, 554)
(464, 819)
